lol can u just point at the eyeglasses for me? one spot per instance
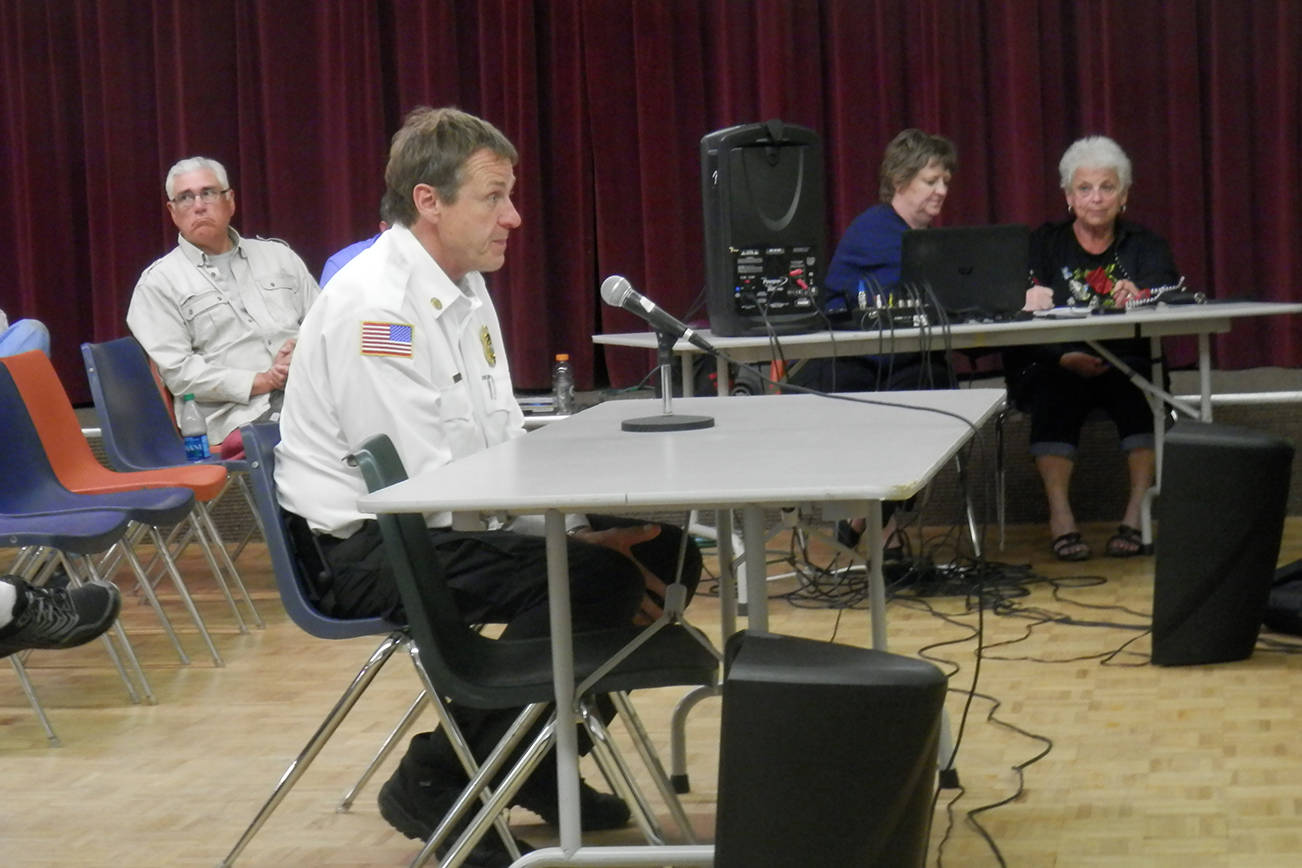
(209, 195)
(1107, 190)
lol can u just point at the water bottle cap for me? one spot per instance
(188, 396)
(562, 357)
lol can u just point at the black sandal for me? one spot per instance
(1126, 542)
(1070, 547)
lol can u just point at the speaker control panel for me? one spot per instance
(774, 279)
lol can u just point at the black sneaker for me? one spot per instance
(415, 810)
(598, 811)
(58, 617)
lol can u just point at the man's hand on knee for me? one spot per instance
(622, 540)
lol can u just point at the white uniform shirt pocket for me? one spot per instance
(456, 412)
(499, 406)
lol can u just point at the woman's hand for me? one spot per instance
(1125, 291)
(1083, 364)
(1039, 298)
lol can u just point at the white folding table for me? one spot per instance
(762, 452)
(1153, 322)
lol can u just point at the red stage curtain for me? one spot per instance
(607, 101)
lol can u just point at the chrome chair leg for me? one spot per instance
(646, 749)
(207, 546)
(26, 685)
(395, 735)
(127, 649)
(496, 801)
(243, 484)
(211, 530)
(480, 775)
(129, 554)
(619, 776)
(184, 592)
(360, 682)
(678, 735)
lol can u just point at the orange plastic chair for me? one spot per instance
(80, 471)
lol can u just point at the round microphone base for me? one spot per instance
(667, 422)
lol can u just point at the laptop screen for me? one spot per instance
(974, 272)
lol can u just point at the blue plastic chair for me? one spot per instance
(259, 447)
(78, 470)
(33, 488)
(138, 433)
(39, 515)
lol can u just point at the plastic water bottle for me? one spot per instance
(563, 385)
(194, 431)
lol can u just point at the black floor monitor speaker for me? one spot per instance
(1220, 521)
(828, 755)
(762, 190)
(1284, 607)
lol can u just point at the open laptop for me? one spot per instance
(974, 272)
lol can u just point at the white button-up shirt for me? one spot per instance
(393, 347)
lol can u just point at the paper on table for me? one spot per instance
(1063, 313)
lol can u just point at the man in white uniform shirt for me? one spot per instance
(407, 342)
(219, 314)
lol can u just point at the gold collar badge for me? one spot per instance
(486, 340)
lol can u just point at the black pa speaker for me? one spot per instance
(762, 190)
(1284, 606)
(828, 755)
(1221, 518)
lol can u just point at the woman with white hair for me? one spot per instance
(1097, 260)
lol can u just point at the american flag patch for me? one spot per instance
(386, 339)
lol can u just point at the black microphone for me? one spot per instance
(616, 291)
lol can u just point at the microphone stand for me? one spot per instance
(667, 420)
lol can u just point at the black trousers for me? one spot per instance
(1060, 401)
(496, 577)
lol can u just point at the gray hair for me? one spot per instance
(1094, 152)
(194, 164)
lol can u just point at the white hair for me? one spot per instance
(194, 164)
(1094, 152)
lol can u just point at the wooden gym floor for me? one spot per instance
(1145, 766)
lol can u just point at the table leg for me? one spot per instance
(1205, 376)
(1159, 444)
(757, 592)
(727, 575)
(722, 375)
(876, 581)
(567, 743)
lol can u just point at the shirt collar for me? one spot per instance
(443, 293)
(197, 256)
